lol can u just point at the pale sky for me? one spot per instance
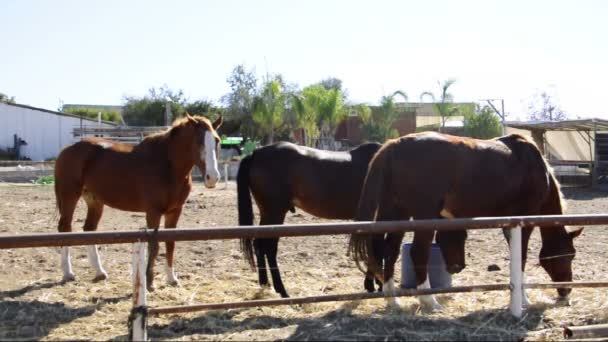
(96, 52)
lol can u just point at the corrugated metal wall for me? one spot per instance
(45, 132)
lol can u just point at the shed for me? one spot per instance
(573, 147)
(43, 133)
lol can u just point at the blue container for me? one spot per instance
(438, 276)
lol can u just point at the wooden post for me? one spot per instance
(516, 273)
(586, 331)
(137, 319)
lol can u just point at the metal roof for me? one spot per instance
(566, 125)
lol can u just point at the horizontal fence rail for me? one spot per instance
(366, 295)
(271, 231)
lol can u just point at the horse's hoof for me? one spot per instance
(284, 295)
(150, 288)
(68, 277)
(430, 305)
(173, 282)
(100, 277)
(393, 304)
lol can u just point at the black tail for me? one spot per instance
(245, 207)
(360, 245)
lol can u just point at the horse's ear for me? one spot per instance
(190, 118)
(575, 232)
(218, 122)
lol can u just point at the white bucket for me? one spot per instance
(438, 276)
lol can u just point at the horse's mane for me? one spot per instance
(161, 137)
(529, 140)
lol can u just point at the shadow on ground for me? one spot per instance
(342, 324)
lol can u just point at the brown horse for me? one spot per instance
(431, 175)
(325, 184)
(152, 177)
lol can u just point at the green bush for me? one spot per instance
(482, 125)
(45, 180)
(108, 115)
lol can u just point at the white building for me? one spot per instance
(46, 132)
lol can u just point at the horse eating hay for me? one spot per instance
(152, 177)
(325, 184)
(430, 175)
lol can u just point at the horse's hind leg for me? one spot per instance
(270, 248)
(171, 219)
(94, 212)
(378, 251)
(67, 201)
(274, 268)
(260, 255)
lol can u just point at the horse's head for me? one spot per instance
(451, 243)
(557, 253)
(206, 142)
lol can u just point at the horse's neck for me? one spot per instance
(167, 152)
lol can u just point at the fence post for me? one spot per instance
(138, 318)
(225, 175)
(516, 272)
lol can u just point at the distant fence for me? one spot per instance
(140, 311)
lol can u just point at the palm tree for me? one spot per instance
(320, 110)
(268, 108)
(379, 127)
(444, 106)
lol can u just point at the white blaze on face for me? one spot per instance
(209, 155)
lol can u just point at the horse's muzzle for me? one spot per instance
(456, 268)
(210, 181)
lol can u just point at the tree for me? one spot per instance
(321, 110)
(106, 115)
(334, 83)
(239, 102)
(379, 127)
(150, 109)
(268, 108)
(544, 108)
(444, 106)
(482, 123)
(7, 99)
(200, 107)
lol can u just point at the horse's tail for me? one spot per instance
(360, 244)
(245, 207)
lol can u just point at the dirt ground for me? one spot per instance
(34, 304)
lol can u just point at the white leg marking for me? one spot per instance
(66, 264)
(100, 273)
(428, 301)
(171, 278)
(389, 287)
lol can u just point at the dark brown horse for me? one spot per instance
(152, 177)
(431, 175)
(283, 176)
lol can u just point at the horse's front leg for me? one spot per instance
(171, 219)
(420, 251)
(153, 222)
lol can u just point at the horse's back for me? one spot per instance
(323, 183)
(472, 177)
